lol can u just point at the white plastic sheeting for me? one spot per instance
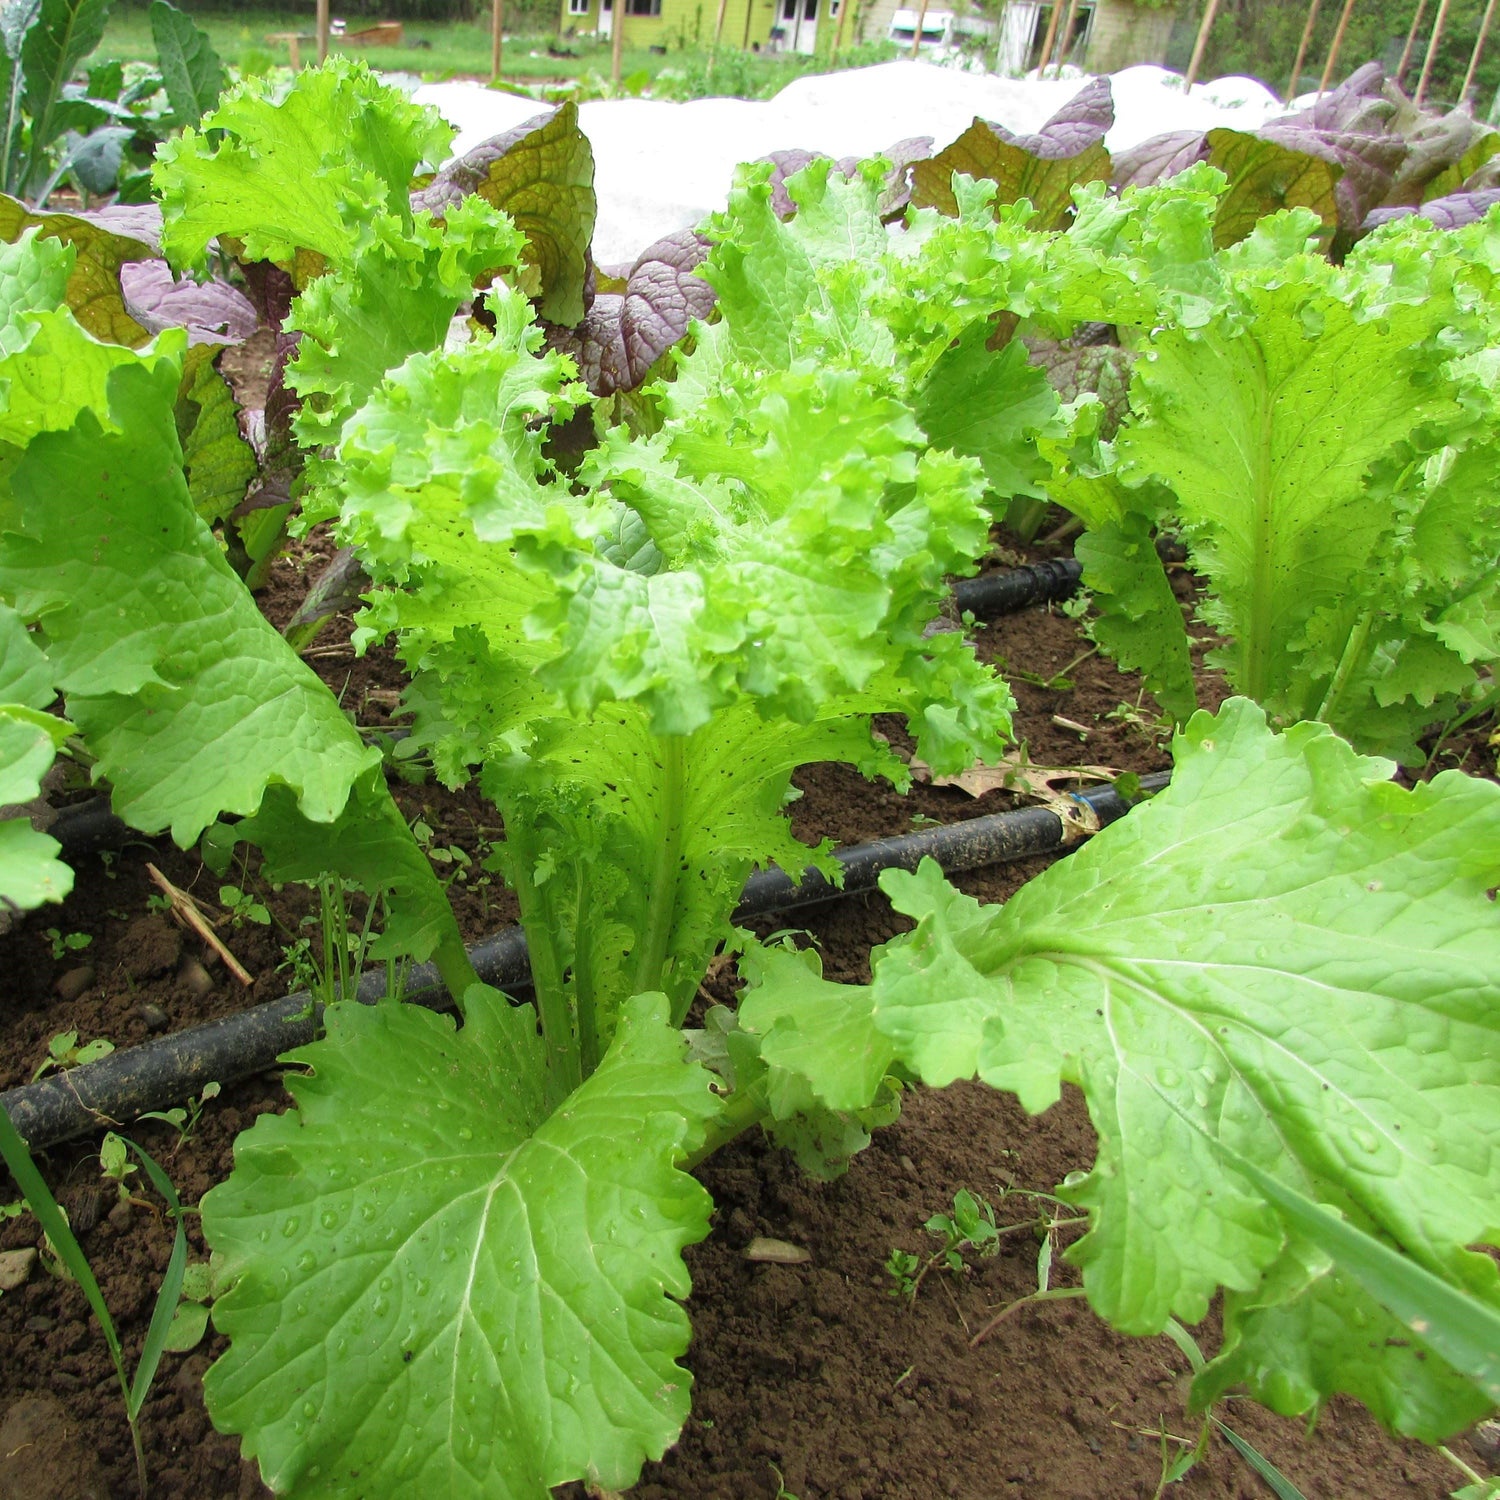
(665, 166)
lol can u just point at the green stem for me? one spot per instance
(1481, 706)
(564, 1066)
(1353, 648)
(453, 964)
(584, 996)
(741, 1112)
(661, 899)
(1258, 638)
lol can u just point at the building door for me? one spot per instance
(801, 20)
(1018, 28)
(606, 17)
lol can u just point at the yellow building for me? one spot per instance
(753, 25)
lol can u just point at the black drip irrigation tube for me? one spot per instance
(1018, 588)
(170, 1069)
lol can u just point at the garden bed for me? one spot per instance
(813, 1372)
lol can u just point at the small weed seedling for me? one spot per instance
(60, 1236)
(63, 1052)
(969, 1228)
(243, 907)
(782, 1492)
(116, 1166)
(64, 943)
(184, 1118)
(1176, 1466)
(190, 1320)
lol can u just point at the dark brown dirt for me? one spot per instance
(815, 1373)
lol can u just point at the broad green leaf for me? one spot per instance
(295, 170)
(396, 297)
(93, 283)
(496, 1290)
(1264, 178)
(65, 32)
(219, 463)
(765, 269)
(190, 699)
(25, 673)
(30, 872)
(16, 20)
(991, 407)
(1284, 959)
(191, 71)
(369, 846)
(1265, 426)
(818, 1039)
(1370, 1327)
(984, 151)
(1139, 619)
(542, 175)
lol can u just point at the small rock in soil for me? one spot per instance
(195, 976)
(39, 1323)
(153, 1015)
(71, 985)
(151, 946)
(120, 1216)
(41, 1454)
(1485, 1441)
(15, 1267)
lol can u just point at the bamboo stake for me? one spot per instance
(322, 30)
(616, 41)
(1411, 41)
(1484, 28)
(186, 912)
(1433, 42)
(845, 6)
(1052, 20)
(718, 36)
(1302, 46)
(916, 40)
(1333, 51)
(1065, 39)
(497, 24)
(1209, 12)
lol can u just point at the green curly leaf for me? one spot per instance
(434, 1286)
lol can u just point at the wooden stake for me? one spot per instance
(1333, 51)
(1302, 46)
(713, 51)
(1065, 38)
(185, 910)
(916, 40)
(616, 41)
(1052, 20)
(1484, 28)
(1411, 41)
(1433, 43)
(322, 29)
(845, 6)
(497, 27)
(1205, 26)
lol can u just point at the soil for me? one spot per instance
(813, 1375)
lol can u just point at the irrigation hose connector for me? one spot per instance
(169, 1069)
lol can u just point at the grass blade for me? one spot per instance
(1455, 1325)
(55, 1226)
(1284, 1488)
(169, 1293)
